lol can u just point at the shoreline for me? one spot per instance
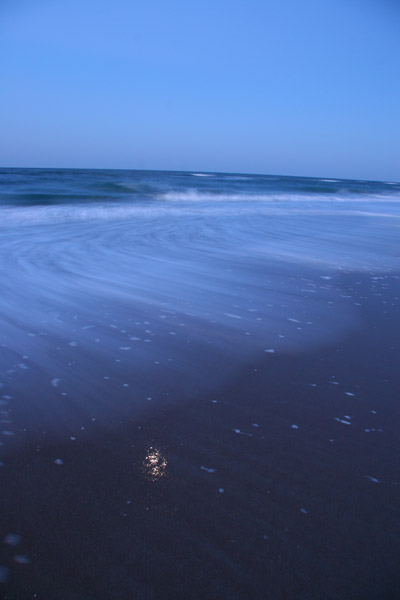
(138, 512)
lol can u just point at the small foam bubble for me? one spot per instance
(243, 433)
(208, 469)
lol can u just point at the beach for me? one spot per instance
(199, 386)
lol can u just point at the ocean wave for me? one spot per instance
(201, 205)
(194, 195)
(46, 199)
(303, 195)
(236, 177)
(202, 175)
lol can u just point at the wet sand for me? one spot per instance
(280, 482)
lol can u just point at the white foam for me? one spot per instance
(243, 433)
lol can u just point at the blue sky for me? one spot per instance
(295, 87)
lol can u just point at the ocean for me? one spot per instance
(199, 385)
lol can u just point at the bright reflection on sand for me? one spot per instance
(154, 464)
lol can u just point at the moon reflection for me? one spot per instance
(154, 464)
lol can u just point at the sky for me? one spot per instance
(290, 87)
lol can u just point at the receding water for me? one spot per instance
(119, 284)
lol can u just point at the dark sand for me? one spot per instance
(278, 512)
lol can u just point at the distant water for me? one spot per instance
(122, 290)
